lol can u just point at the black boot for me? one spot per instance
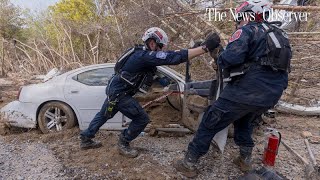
(88, 143)
(244, 160)
(125, 149)
(187, 166)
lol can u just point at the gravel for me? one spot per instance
(28, 161)
(30, 155)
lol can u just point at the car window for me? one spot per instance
(95, 77)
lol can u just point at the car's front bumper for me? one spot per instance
(20, 114)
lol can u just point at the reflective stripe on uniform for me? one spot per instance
(275, 40)
(273, 37)
(126, 54)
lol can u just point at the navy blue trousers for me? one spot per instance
(218, 116)
(127, 106)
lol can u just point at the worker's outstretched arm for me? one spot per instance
(211, 42)
(158, 58)
(192, 53)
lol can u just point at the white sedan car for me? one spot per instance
(76, 96)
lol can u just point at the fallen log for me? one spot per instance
(297, 109)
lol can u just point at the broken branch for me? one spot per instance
(293, 152)
(312, 158)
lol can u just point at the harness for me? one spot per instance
(277, 55)
(136, 82)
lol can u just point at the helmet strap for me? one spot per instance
(160, 45)
(148, 46)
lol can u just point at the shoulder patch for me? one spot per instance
(236, 35)
(161, 55)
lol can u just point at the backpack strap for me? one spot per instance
(123, 59)
(274, 39)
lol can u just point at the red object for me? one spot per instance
(241, 6)
(159, 34)
(271, 150)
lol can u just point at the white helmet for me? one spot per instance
(157, 34)
(258, 7)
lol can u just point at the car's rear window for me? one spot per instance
(95, 77)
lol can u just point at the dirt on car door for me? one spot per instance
(163, 107)
(198, 95)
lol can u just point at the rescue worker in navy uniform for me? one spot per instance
(264, 76)
(123, 85)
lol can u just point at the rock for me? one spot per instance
(153, 132)
(3, 128)
(306, 134)
(314, 139)
(20, 178)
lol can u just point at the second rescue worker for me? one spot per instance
(255, 63)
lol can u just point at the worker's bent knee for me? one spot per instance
(144, 118)
(212, 117)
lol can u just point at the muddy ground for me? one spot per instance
(28, 154)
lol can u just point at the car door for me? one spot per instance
(197, 97)
(85, 90)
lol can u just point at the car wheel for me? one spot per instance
(55, 116)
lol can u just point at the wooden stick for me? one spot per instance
(298, 156)
(312, 158)
(309, 169)
(296, 8)
(303, 33)
(222, 35)
(187, 22)
(162, 21)
(2, 61)
(177, 130)
(117, 23)
(305, 39)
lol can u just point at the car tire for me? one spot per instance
(55, 116)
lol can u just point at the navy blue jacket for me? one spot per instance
(144, 61)
(260, 86)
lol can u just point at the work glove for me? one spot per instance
(216, 52)
(211, 42)
(215, 55)
(196, 43)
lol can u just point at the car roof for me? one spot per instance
(94, 66)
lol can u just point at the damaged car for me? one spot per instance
(65, 100)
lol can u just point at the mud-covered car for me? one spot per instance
(74, 97)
